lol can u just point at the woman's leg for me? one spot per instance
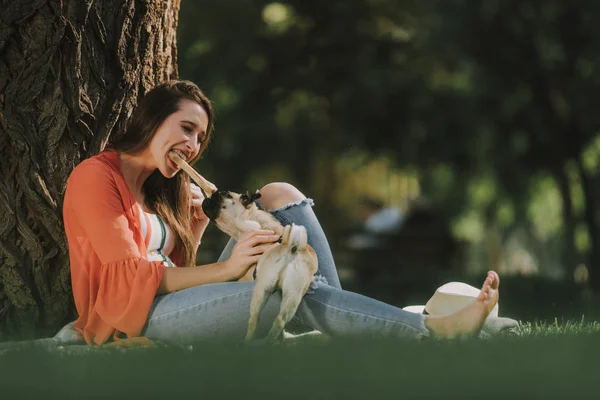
(340, 313)
(217, 311)
(221, 311)
(288, 205)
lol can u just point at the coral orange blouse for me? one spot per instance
(113, 282)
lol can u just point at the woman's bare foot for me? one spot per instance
(469, 320)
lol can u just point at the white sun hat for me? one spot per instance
(450, 298)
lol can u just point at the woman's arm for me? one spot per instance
(182, 278)
(199, 219)
(198, 228)
(244, 254)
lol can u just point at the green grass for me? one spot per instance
(546, 360)
(529, 329)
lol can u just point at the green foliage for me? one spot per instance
(545, 207)
(491, 103)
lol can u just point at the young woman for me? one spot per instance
(133, 223)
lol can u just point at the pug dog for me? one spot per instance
(236, 214)
(289, 267)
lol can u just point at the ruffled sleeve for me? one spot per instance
(113, 285)
(126, 291)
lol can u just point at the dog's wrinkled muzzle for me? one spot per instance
(211, 205)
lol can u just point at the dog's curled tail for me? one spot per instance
(296, 237)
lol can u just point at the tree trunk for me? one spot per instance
(569, 252)
(592, 224)
(70, 74)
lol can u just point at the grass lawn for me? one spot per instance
(560, 360)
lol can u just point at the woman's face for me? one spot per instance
(184, 130)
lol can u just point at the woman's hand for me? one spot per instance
(197, 199)
(248, 250)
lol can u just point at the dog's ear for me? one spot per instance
(248, 198)
(245, 198)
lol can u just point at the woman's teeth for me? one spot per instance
(180, 154)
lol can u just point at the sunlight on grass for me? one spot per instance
(568, 328)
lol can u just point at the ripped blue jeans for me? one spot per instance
(220, 311)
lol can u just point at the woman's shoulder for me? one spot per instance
(96, 180)
(101, 165)
(97, 173)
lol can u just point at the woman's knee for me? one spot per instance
(278, 194)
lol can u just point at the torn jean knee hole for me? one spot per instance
(318, 280)
(308, 201)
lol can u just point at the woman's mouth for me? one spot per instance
(172, 164)
(174, 155)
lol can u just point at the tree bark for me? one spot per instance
(70, 74)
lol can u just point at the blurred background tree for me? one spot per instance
(483, 110)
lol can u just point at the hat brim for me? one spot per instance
(448, 299)
(414, 309)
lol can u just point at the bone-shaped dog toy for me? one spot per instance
(205, 185)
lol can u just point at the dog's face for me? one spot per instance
(227, 206)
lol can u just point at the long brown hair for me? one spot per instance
(167, 197)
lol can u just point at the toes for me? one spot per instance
(489, 280)
(492, 280)
(495, 279)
